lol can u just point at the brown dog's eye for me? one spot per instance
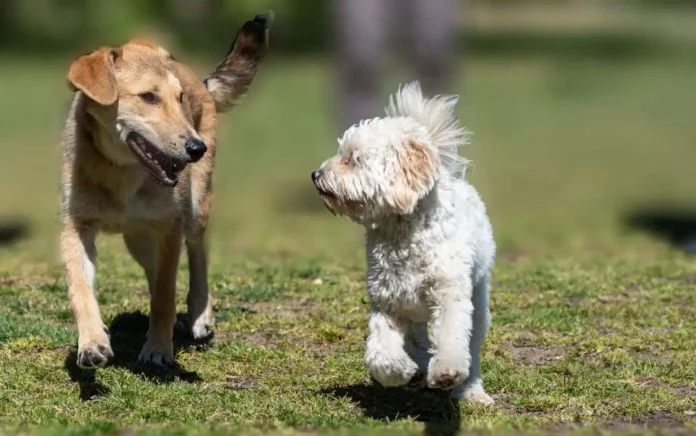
(148, 97)
(181, 97)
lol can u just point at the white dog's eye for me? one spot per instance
(345, 160)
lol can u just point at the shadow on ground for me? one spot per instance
(674, 225)
(12, 231)
(440, 414)
(128, 332)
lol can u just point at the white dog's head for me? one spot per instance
(384, 166)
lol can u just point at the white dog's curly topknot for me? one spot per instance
(437, 115)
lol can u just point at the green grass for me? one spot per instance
(594, 324)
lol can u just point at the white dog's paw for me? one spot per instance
(391, 371)
(473, 392)
(480, 398)
(157, 354)
(444, 374)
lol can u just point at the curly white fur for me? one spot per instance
(430, 247)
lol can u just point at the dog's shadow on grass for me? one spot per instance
(439, 413)
(674, 224)
(128, 332)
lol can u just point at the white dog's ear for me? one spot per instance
(419, 172)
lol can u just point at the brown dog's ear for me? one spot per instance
(93, 74)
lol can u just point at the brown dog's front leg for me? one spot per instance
(79, 259)
(159, 348)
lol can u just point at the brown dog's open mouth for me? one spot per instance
(163, 168)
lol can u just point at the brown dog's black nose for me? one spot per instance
(195, 149)
(316, 175)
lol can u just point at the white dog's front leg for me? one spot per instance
(385, 355)
(451, 327)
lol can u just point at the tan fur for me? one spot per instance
(232, 78)
(93, 75)
(105, 188)
(419, 173)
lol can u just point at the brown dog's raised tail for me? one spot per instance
(231, 79)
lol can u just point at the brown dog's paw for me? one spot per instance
(157, 354)
(94, 355)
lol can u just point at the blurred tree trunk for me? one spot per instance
(589, 5)
(6, 22)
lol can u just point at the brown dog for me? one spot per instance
(138, 156)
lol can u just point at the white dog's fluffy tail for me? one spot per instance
(438, 115)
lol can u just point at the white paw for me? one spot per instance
(473, 392)
(202, 327)
(446, 374)
(480, 398)
(391, 370)
(200, 322)
(157, 354)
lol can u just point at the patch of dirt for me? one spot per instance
(687, 391)
(316, 346)
(260, 339)
(630, 292)
(241, 382)
(650, 353)
(689, 279)
(647, 356)
(512, 255)
(653, 420)
(631, 288)
(285, 307)
(661, 421)
(536, 355)
(659, 331)
(29, 282)
(658, 419)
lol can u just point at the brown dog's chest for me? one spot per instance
(132, 200)
(139, 215)
(150, 205)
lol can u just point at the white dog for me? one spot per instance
(430, 246)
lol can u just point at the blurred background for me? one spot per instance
(582, 113)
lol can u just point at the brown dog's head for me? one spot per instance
(140, 108)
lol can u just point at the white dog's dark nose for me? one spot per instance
(316, 175)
